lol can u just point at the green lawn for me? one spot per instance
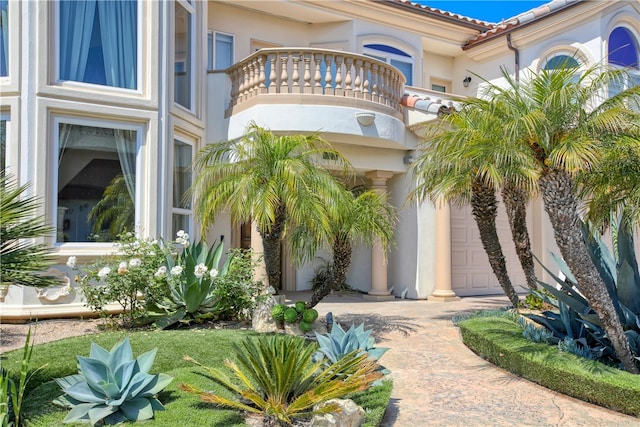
(209, 347)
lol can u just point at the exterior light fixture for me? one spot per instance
(365, 119)
(466, 81)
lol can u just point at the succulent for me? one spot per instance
(338, 343)
(277, 312)
(112, 386)
(310, 315)
(300, 306)
(305, 326)
(290, 315)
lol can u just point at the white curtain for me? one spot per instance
(76, 26)
(127, 147)
(64, 132)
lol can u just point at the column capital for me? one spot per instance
(379, 177)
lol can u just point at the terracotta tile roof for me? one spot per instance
(524, 18)
(416, 7)
(427, 104)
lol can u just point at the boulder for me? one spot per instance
(350, 415)
(261, 320)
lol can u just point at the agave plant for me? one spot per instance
(337, 344)
(112, 386)
(276, 376)
(191, 278)
(574, 319)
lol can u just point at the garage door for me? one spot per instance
(471, 273)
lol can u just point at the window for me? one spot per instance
(98, 42)
(96, 181)
(4, 38)
(183, 55)
(623, 52)
(561, 61)
(220, 51)
(440, 85)
(399, 59)
(181, 212)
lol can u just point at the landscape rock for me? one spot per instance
(351, 415)
(262, 321)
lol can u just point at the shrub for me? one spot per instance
(276, 376)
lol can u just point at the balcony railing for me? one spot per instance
(317, 72)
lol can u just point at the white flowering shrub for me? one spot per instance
(127, 277)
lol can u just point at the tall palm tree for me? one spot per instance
(564, 119)
(275, 181)
(22, 260)
(359, 214)
(464, 160)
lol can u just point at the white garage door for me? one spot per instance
(471, 273)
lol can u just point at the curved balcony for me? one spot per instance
(315, 76)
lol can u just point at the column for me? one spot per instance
(443, 291)
(379, 288)
(260, 273)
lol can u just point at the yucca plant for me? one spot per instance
(112, 387)
(276, 376)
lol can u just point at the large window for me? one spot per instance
(181, 213)
(623, 51)
(96, 181)
(98, 42)
(183, 55)
(4, 38)
(561, 61)
(389, 54)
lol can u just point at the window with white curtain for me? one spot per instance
(4, 38)
(98, 42)
(182, 214)
(183, 55)
(96, 180)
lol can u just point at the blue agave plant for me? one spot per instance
(112, 386)
(337, 344)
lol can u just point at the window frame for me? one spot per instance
(5, 116)
(437, 81)
(99, 122)
(56, 60)
(179, 137)
(211, 50)
(191, 10)
(389, 56)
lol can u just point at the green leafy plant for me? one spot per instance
(191, 278)
(112, 386)
(12, 395)
(127, 277)
(338, 343)
(21, 260)
(276, 376)
(574, 318)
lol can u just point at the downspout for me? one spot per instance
(516, 57)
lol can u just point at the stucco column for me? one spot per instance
(260, 272)
(443, 291)
(379, 288)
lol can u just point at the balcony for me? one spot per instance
(311, 90)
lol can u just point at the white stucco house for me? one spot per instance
(95, 89)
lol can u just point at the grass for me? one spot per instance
(500, 341)
(208, 346)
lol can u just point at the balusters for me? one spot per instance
(317, 77)
(261, 76)
(272, 75)
(366, 77)
(358, 82)
(339, 91)
(348, 80)
(328, 87)
(295, 76)
(307, 74)
(284, 73)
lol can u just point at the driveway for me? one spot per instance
(438, 381)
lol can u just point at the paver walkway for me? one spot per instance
(438, 381)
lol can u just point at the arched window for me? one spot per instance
(623, 48)
(561, 61)
(391, 55)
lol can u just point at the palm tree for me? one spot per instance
(563, 119)
(116, 210)
(359, 214)
(275, 181)
(21, 260)
(464, 161)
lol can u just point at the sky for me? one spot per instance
(485, 10)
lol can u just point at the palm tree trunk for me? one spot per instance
(271, 243)
(485, 210)
(561, 206)
(337, 273)
(515, 202)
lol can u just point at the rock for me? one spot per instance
(262, 321)
(351, 415)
